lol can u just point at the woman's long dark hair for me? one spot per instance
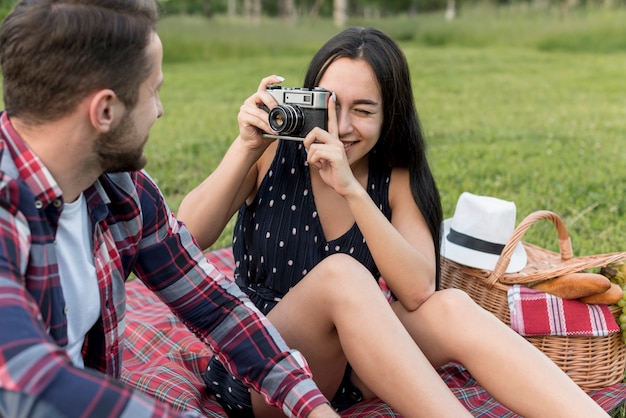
(401, 142)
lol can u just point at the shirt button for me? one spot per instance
(38, 204)
(57, 203)
(65, 310)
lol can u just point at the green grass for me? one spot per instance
(516, 103)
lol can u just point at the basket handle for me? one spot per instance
(565, 243)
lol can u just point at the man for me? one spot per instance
(78, 216)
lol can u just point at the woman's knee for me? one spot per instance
(342, 263)
(451, 304)
(340, 278)
(341, 269)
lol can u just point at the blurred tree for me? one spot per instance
(252, 11)
(315, 10)
(232, 8)
(287, 10)
(206, 8)
(340, 9)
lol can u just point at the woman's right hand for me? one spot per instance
(207, 209)
(253, 117)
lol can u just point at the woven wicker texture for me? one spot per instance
(592, 362)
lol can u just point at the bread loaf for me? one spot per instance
(575, 285)
(608, 297)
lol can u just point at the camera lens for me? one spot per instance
(286, 119)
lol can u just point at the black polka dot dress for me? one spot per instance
(278, 238)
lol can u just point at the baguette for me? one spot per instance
(575, 285)
(609, 297)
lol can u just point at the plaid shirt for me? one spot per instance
(133, 232)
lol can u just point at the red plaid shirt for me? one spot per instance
(133, 232)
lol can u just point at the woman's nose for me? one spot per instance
(344, 123)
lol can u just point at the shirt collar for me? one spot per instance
(29, 166)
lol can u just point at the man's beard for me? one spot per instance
(113, 150)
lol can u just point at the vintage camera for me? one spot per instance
(299, 110)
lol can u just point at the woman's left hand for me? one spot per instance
(326, 153)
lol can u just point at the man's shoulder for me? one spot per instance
(14, 192)
(129, 182)
(129, 191)
(9, 193)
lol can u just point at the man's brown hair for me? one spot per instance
(54, 53)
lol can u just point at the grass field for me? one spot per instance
(516, 103)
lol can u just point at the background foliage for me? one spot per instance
(362, 8)
(309, 9)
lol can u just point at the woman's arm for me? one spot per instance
(403, 249)
(207, 209)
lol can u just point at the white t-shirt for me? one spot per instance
(78, 275)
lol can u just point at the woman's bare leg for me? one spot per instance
(450, 326)
(338, 312)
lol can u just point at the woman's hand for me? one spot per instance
(326, 153)
(253, 118)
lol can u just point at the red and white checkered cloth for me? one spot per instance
(164, 359)
(534, 312)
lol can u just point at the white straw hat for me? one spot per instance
(478, 232)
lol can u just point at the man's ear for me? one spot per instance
(105, 110)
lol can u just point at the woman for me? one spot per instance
(320, 219)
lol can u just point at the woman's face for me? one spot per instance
(359, 105)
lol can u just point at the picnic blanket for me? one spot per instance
(165, 360)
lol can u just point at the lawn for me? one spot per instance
(518, 104)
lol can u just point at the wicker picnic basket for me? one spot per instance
(592, 362)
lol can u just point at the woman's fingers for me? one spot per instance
(332, 116)
(254, 110)
(272, 79)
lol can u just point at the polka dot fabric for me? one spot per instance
(278, 238)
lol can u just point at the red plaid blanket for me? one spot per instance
(165, 360)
